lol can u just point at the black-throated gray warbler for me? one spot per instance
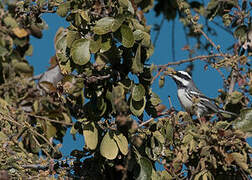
(190, 97)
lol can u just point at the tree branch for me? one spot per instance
(163, 67)
(158, 32)
(47, 119)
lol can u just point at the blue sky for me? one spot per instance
(208, 81)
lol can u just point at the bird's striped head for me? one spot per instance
(182, 78)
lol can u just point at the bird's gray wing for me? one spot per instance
(204, 100)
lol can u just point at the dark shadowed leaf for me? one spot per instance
(80, 51)
(146, 169)
(137, 107)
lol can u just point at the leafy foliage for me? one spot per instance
(99, 77)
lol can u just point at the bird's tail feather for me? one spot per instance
(227, 112)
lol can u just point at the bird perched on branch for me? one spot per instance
(190, 97)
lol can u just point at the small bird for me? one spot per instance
(191, 99)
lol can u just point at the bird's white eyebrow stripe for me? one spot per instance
(185, 74)
(183, 81)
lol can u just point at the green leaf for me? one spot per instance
(240, 160)
(108, 147)
(155, 100)
(90, 133)
(222, 125)
(85, 16)
(146, 41)
(200, 175)
(122, 143)
(145, 169)
(127, 4)
(138, 34)
(137, 107)
(10, 21)
(187, 139)
(73, 131)
(22, 67)
(60, 40)
(165, 176)
(62, 9)
(105, 45)
(137, 65)
(3, 51)
(50, 130)
(61, 57)
(138, 92)
(161, 81)
(159, 137)
(107, 24)
(95, 44)
(127, 36)
(29, 51)
(236, 97)
(169, 132)
(71, 37)
(80, 51)
(244, 122)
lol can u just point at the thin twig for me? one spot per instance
(40, 146)
(158, 32)
(10, 119)
(191, 59)
(163, 67)
(170, 102)
(225, 29)
(146, 122)
(43, 137)
(222, 76)
(210, 41)
(233, 81)
(47, 119)
(36, 166)
(173, 40)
